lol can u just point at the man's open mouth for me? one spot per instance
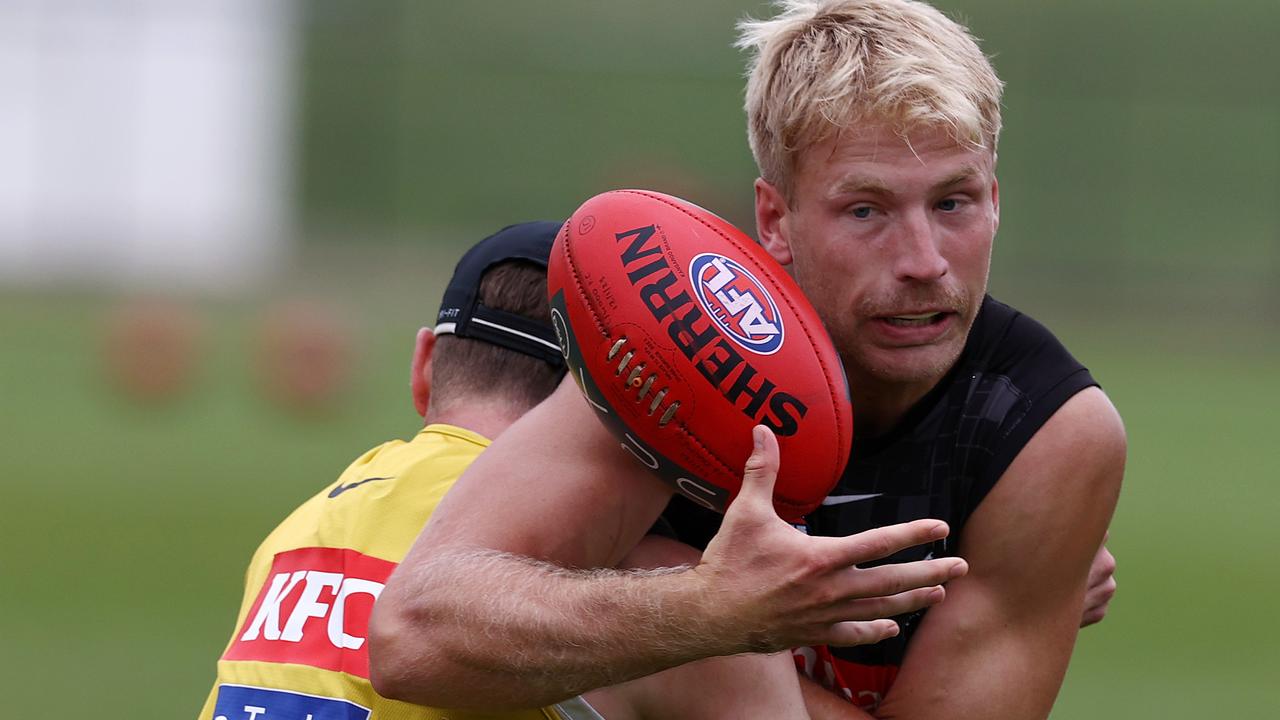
(916, 320)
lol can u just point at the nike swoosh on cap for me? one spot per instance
(842, 499)
(340, 488)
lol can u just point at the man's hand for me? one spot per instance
(1102, 587)
(780, 588)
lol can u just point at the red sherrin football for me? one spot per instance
(684, 334)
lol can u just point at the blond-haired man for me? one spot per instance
(874, 124)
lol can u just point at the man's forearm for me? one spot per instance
(485, 629)
(462, 626)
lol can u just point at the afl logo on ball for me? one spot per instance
(737, 302)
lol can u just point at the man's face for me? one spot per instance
(891, 240)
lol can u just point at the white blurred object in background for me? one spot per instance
(145, 142)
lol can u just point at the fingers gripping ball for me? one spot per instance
(684, 334)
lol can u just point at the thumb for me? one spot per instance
(761, 471)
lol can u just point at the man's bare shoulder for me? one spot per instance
(999, 645)
(1089, 423)
(1063, 482)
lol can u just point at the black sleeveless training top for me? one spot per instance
(938, 462)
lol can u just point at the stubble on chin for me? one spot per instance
(899, 367)
(912, 366)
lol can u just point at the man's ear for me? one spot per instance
(771, 211)
(420, 377)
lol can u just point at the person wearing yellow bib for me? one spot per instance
(299, 647)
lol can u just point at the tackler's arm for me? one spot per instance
(490, 609)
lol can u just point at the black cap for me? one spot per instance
(462, 314)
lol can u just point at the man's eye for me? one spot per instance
(862, 212)
(949, 205)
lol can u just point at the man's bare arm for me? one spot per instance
(483, 614)
(1000, 645)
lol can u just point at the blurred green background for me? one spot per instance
(1140, 171)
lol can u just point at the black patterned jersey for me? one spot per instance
(940, 461)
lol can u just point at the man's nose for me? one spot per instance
(919, 256)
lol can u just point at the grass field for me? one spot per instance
(1139, 170)
(126, 529)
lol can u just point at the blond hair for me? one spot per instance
(821, 66)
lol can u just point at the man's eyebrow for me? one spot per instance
(964, 174)
(866, 184)
(860, 184)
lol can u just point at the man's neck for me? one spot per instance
(483, 416)
(878, 407)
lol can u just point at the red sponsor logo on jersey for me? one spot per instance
(862, 685)
(314, 610)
